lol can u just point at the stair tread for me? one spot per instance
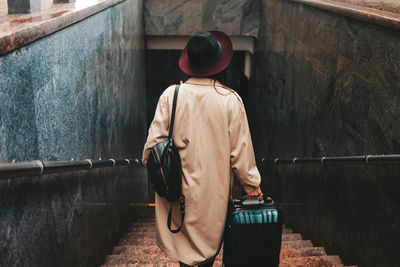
(139, 242)
(291, 237)
(138, 248)
(140, 235)
(142, 228)
(133, 250)
(297, 244)
(287, 231)
(303, 251)
(148, 251)
(175, 264)
(312, 261)
(160, 258)
(143, 259)
(216, 264)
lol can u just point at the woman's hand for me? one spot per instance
(256, 194)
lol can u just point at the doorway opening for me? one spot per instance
(162, 70)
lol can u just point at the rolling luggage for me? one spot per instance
(253, 234)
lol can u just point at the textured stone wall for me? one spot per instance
(78, 93)
(186, 17)
(385, 5)
(328, 85)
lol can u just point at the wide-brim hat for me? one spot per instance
(214, 56)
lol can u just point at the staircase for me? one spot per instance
(138, 248)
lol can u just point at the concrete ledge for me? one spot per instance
(240, 43)
(373, 16)
(19, 30)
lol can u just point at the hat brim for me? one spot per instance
(221, 64)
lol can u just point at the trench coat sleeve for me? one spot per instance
(241, 148)
(159, 127)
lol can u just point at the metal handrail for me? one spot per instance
(345, 160)
(37, 167)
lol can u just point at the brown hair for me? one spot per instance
(221, 78)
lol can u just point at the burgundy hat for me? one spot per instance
(206, 54)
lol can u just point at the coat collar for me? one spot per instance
(203, 81)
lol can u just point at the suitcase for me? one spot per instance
(253, 234)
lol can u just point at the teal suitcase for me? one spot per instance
(253, 234)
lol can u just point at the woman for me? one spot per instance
(212, 134)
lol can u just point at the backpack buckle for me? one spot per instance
(182, 203)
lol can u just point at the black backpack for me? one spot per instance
(165, 170)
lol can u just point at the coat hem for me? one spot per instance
(176, 257)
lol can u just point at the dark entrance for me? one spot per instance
(162, 70)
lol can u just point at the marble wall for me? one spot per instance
(186, 17)
(3, 8)
(328, 85)
(78, 93)
(385, 5)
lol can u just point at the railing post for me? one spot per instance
(23, 6)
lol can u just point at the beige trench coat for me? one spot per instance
(212, 134)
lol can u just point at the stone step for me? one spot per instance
(137, 242)
(138, 248)
(136, 235)
(149, 251)
(146, 224)
(142, 259)
(139, 223)
(287, 231)
(140, 233)
(142, 265)
(151, 225)
(291, 237)
(143, 229)
(302, 252)
(156, 260)
(312, 261)
(297, 244)
(216, 264)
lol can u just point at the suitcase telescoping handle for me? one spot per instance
(250, 202)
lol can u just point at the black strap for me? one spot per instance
(171, 126)
(182, 210)
(182, 197)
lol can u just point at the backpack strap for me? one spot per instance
(182, 197)
(171, 126)
(182, 210)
